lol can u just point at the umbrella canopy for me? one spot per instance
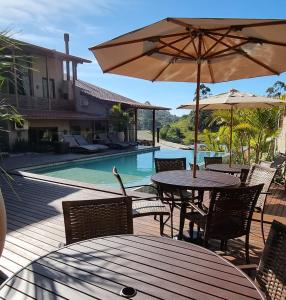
(197, 50)
(233, 100)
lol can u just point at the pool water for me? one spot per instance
(135, 169)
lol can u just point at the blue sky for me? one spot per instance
(90, 22)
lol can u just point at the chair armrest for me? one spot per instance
(195, 207)
(148, 185)
(250, 269)
(146, 198)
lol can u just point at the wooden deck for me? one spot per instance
(36, 227)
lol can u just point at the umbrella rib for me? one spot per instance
(250, 39)
(243, 53)
(176, 49)
(217, 42)
(149, 52)
(208, 63)
(149, 38)
(242, 26)
(175, 55)
(226, 50)
(172, 59)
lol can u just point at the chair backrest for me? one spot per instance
(260, 174)
(170, 164)
(192, 166)
(271, 274)
(243, 175)
(212, 160)
(86, 219)
(230, 211)
(279, 161)
(80, 140)
(70, 140)
(118, 177)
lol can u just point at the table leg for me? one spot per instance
(182, 219)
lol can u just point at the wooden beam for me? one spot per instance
(48, 83)
(15, 77)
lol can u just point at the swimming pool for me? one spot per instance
(135, 168)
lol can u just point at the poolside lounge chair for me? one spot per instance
(114, 142)
(83, 142)
(74, 145)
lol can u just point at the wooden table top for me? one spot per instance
(205, 180)
(225, 168)
(156, 267)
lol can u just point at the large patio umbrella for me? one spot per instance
(197, 50)
(234, 100)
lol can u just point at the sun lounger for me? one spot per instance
(73, 144)
(116, 143)
(83, 142)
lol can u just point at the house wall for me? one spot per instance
(55, 68)
(86, 105)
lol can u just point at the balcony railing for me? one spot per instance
(38, 103)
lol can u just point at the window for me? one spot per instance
(52, 92)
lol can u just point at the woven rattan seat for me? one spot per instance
(261, 174)
(150, 206)
(87, 219)
(212, 160)
(228, 216)
(271, 273)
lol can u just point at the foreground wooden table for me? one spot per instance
(158, 268)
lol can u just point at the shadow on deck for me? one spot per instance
(36, 227)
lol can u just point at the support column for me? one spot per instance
(15, 78)
(74, 77)
(48, 83)
(135, 124)
(153, 128)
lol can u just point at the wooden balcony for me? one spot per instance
(38, 103)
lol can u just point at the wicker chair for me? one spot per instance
(270, 274)
(148, 206)
(228, 216)
(169, 196)
(212, 160)
(259, 174)
(87, 219)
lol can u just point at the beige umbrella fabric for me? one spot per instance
(234, 100)
(197, 50)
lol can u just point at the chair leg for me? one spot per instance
(161, 225)
(262, 225)
(221, 245)
(191, 229)
(182, 220)
(155, 217)
(247, 249)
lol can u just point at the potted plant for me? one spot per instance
(119, 120)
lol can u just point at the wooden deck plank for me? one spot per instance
(35, 223)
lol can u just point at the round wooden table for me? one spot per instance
(225, 168)
(184, 180)
(157, 268)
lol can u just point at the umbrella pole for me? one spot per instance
(230, 138)
(197, 106)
